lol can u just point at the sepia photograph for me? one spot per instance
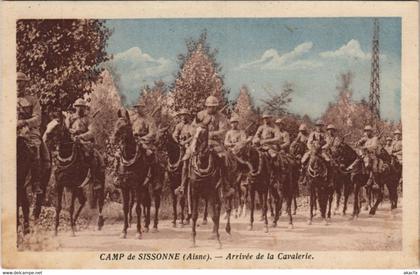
(204, 139)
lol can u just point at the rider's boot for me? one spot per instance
(184, 177)
(36, 172)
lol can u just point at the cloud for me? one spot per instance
(137, 68)
(272, 60)
(352, 51)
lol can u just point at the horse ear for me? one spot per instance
(119, 115)
(127, 116)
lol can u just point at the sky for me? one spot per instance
(265, 53)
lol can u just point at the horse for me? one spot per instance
(205, 180)
(389, 175)
(351, 170)
(132, 170)
(285, 185)
(259, 178)
(73, 173)
(317, 178)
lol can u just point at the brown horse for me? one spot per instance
(132, 170)
(72, 173)
(259, 178)
(204, 181)
(317, 178)
(23, 167)
(351, 171)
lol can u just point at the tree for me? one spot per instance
(199, 77)
(278, 101)
(104, 104)
(244, 109)
(61, 57)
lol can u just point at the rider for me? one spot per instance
(330, 139)
(284, 139)
(316, 140)
(144, 130)
(397, 145)
(302, 136)
(28, 123)
(234, 135)
(268, 136)
(215, 123)
(182, 133)
(369, 146)
(388, 145)
(81, 128)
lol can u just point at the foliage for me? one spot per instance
(61, 57)
(244, 109)
(278, 101)
(104, 104)
(199, 77)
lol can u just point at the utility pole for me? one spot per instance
(375, 89)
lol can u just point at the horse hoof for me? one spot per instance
(56, 233)
(101, 222)
(138, 236)
(220, 245)
(213, 236)
(155, 230)
(294, 213)
(250, 227)
(123, 235)
(174, 224)
(290, 226)
(274, 225)
(366, 208)
(266, 229)
(72, 234)
(326, 222)
(204, 222)
(146, 230)
(309, 222)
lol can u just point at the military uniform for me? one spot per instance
(234, 136)
(397, 149)
(182, 133)
(316, 141)
(80, 126)
(389, 145)
(270, 133)
(29, 121)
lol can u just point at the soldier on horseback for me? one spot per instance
(144, 130)
(283, 143)
(302, 135)
(397, 145)
(234, 135)
(316, 141)
(268, 136)
(369, 146)
(182, 133)
(28, 123)
(81, 128)
(388, 145)
(214, 121)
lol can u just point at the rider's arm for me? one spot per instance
(222, 127)
(90, 132)
(275, 139)
(227, 141)
(35, 120)
(177, 131)
(257, 135)
(151, 130)
(286, 141)
(310, 141)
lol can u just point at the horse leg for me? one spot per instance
(346, 197)
(215, 202)
(156, 196)
(356, 203)
(60, 189)
(323, 201)
(101, 201)
(130, 211)
(182, 204)
(25, 211)
(147, 203)
(82, 201)
(126, 192)
(138, 211)
(277, 196)
(174, 208)
(229, 211)
(264, 197)
(194, 206)
(71, 211)
(378, 200)
(252, 209)
(205, 211)
(311, 204)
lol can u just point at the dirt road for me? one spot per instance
(380, 232)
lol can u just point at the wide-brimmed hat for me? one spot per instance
(389, 138)
(211, 101)
(279, 121)
(80, 103)
(302, 127)
(397, 132)
(183, 111)
(22, 77)
(368, 128)
(319, 123)
(331, 127)
(266, 115)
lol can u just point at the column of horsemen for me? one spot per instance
(271, 137)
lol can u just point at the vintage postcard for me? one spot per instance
(209, 135)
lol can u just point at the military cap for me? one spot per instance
(319, 123)
(302, 127)
(397, 132)
(80, 103)
(331, 127)
(139, 105)
(22, 77)
(368, 128)
(389, 138)
(266, 115)
(279, 121)
(183, 111)
(211, 101)
(234, 118)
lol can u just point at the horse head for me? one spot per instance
(297, 149)
(123, 132)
